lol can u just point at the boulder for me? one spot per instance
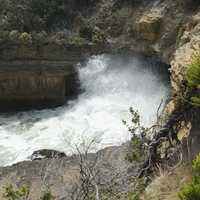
(148, 26)
(47, 153)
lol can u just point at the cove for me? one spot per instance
(109, 85)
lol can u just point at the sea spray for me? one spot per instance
(109, 86)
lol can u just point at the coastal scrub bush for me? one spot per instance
(99, 36)
(76, 40)
(25, 38)
(191, 191)
(193, 80)
(16, 194)
(22, 193)
(47, 196)
(58, 38)
(139, 189)
(138, 139)
(196, 166)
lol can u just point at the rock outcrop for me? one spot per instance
(32, 84)
(47, 154)
(62, 175)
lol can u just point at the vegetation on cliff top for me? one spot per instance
(77, 20)
(38, 15)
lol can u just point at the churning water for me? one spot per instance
(110, 85)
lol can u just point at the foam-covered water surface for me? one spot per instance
(110, 85)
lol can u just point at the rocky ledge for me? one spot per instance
(64, 176)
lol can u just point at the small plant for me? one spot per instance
(134, 196)
(191, 191)
(25, 38)
(193, 73)
(58, 38)
(138, 139)
(99, 36)
(10, 193)
(77, 40)
(20, 193)
(139, 189)
(47, 196)
(196, 166)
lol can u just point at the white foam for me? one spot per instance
(110, 86)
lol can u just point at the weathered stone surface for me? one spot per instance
(189, 46)
(34, 84)
(149, 25)
(62, 175)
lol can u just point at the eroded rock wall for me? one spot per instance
(38, 77)
(35, 84)
(31, 88)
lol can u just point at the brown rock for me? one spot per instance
(148, 26)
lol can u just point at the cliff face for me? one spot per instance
(168, 29)
(38, 77)
(30, 85)
(25, 85)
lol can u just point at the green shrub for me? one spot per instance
(10, 193)
(139, 189)
(16, 194)
(137, 153)
(138, 139)
(47, 196)
(196, 166)
(134, 196)
(76, 40)
(99, 36)
(22, 193)
(193, 73)
(58, 38)
(191, 191)
(25, 38)
(193, 80)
